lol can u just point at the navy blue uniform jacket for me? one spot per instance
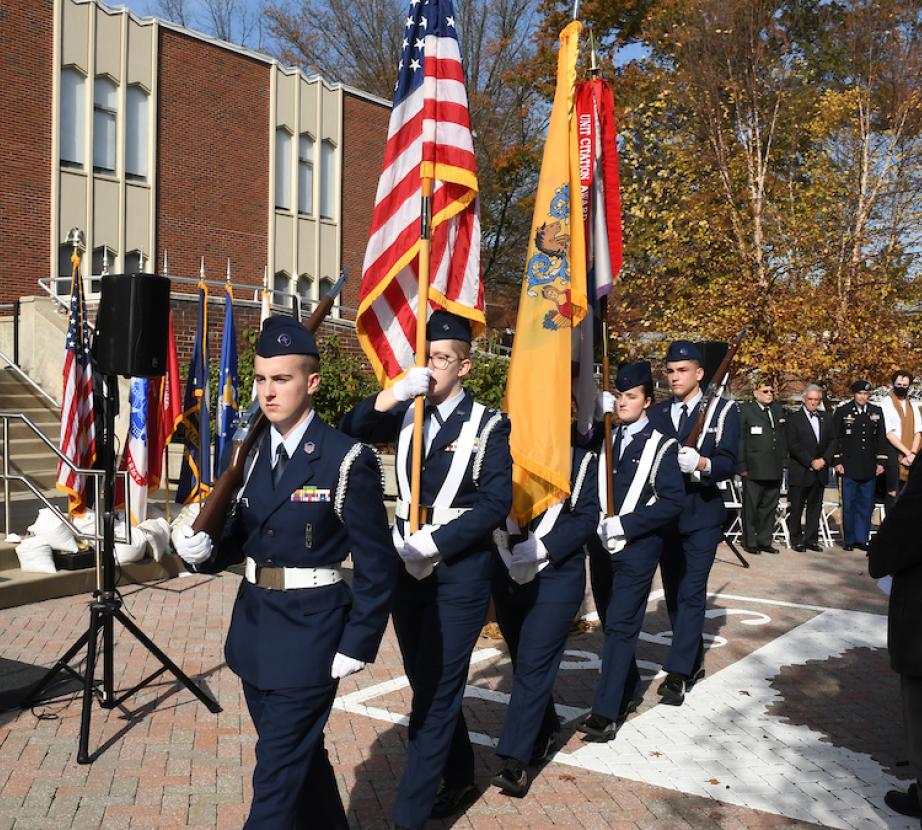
(704, 506)
(466, 543)
(287, 639)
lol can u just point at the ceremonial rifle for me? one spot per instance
(713, 389)
(250, 426)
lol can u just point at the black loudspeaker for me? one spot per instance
(132, 325)
(713, 352)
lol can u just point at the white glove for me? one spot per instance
(419, 554)
(611, 533)
(688, 459)
(194, 548)
(414, 382)
(529, 552)
(604, 405)
(343, 666)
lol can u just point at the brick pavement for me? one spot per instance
(796, 725)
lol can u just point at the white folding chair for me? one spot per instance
(781, 532)
(732, 501)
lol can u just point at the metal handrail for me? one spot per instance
(96, 476)
(27, 379)
(295, 301)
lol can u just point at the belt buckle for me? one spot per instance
(270, 578)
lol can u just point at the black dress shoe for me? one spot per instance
(674, 688)
(848, 547)
(599, 728)
(512, 779)
(815, 548)
(861, 545)
(751, 551)
(543, 749)
(768, 549)
(800, 548)
(906, 804)
(451, 800)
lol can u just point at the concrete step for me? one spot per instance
(20, 588)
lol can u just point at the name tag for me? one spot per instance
(755, 430)
(875, 417)
(310, 494)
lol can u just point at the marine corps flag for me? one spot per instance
(195, 476)
(552, 302)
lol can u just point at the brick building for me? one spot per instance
(152, 138)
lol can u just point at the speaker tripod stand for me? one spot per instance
(105, 610)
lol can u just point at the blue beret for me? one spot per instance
(861, 386)
(683, 350)
(285, 335)
(444, 325)
(633, 374)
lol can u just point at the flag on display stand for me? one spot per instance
(226, 415)
(78, 430)
(195, 477)
(165, 410)
(601, 191)
(429, 135)
(552, 302)
(136, 455)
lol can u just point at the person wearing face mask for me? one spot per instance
(859, 457)
(443, 591)
(809, 441)
(649, 496)
(761, 466)
(903, 426)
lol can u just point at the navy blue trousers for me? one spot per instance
(629, 576)
(535, 619)
(857, 507)
(294, 787)
(685, 566)
(437, 625)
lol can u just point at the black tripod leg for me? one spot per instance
(213, 705)
(83, 754)
(733, 547)
(108, 659)
(50, 675)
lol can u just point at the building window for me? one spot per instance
(105, 107)
(136, 109)
(104, 260)
(327, 179)
(306, 292)
(326, 286)
(281, 287)
(73, 117)
(282, 169)
(65, 270)
(305, 174)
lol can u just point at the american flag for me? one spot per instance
(429, 135)
(78, 432)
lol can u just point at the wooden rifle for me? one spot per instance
(250, 426)
(713, 389)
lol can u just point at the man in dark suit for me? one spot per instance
(761, 466)
(896, 551)
(860, 454)
(443, 591)
(311, 496)
(810, 447)
(690, 544)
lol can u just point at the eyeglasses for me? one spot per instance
(767, 391)
(441, 361)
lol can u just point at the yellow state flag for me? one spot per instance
(552, 302)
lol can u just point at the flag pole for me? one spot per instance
(421, 356)
(200, 495)
(594, 68)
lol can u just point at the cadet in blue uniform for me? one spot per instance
(444, 590)
(649, 495)
(690, 544)
(311, 495)
(860, 454)
(538, 586)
